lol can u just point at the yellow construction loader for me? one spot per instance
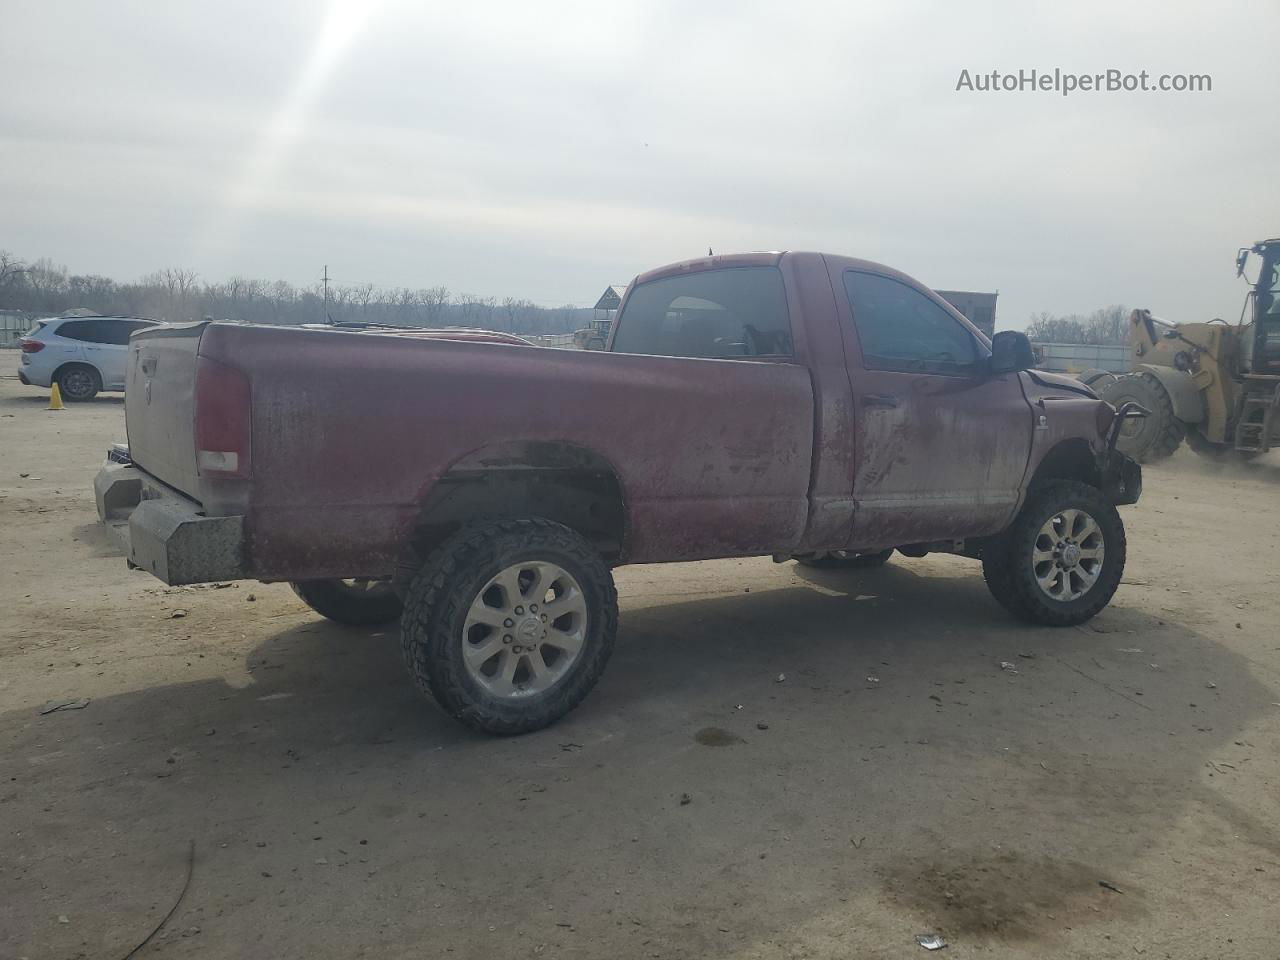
(1215, 384)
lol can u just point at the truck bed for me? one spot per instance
(350, 432)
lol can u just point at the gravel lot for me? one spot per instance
(778, 763)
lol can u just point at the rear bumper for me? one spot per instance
(166, 533)
(34, 371)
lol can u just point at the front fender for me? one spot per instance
(1188, 401)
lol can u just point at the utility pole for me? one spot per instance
(326, 294)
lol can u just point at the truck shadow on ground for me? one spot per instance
(868, 744)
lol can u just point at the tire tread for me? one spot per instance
(1008, 573)
(435, 664)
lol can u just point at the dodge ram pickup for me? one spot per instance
(794, 405)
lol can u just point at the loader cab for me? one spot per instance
(1262, 349)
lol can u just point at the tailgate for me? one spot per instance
(159, 403)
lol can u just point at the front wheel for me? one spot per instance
(354, 603)
(1061, 560)
(509, 624)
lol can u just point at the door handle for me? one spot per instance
(879, 400)
(148, 365)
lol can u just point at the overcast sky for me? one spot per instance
(544, 150)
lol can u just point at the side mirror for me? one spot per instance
(1011, 352)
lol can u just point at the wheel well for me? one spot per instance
(1070, 460)
(555, 481)
(75, 363)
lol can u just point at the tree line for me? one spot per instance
(45, 288)
(1108, 325)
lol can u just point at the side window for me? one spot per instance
(900, 328)
(719, 314)
(117, 331)
(85, 330)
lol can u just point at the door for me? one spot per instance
(942, 444)
(96, 348)
(113, 350)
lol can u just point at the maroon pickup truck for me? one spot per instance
(798, 405)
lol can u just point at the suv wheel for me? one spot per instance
(1061, 560)
(510, 623)
(78, 383)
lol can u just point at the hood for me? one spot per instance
(1059, 383)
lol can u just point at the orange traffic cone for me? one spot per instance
(55, 398)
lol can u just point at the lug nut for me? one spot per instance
(506, 639)
(533, 608)
(544, 618)
(508, 623)
(519, 609)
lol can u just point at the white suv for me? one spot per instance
(82, 354)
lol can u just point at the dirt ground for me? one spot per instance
(778, 762)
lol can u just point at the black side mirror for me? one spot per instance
(1011, 352)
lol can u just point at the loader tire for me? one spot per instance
(1148, 438)
(1218, 452)
(509, 624)
(1097, 379)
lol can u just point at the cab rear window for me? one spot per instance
(719, 314)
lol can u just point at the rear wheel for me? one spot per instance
(78, 383)
(1145, 438)
(1061, 559)
(845, 560)
(509, 624)
(355, 603)
(1217, 452)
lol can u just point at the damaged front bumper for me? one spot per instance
(1121, 474)
(164, 532)
(1121, 477)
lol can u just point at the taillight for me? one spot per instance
(223, 420)
(30, 346)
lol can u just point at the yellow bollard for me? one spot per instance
(55, 398)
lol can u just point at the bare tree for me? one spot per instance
(11, 269)
(434, 300)
(1104, 326)
(362, 296)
